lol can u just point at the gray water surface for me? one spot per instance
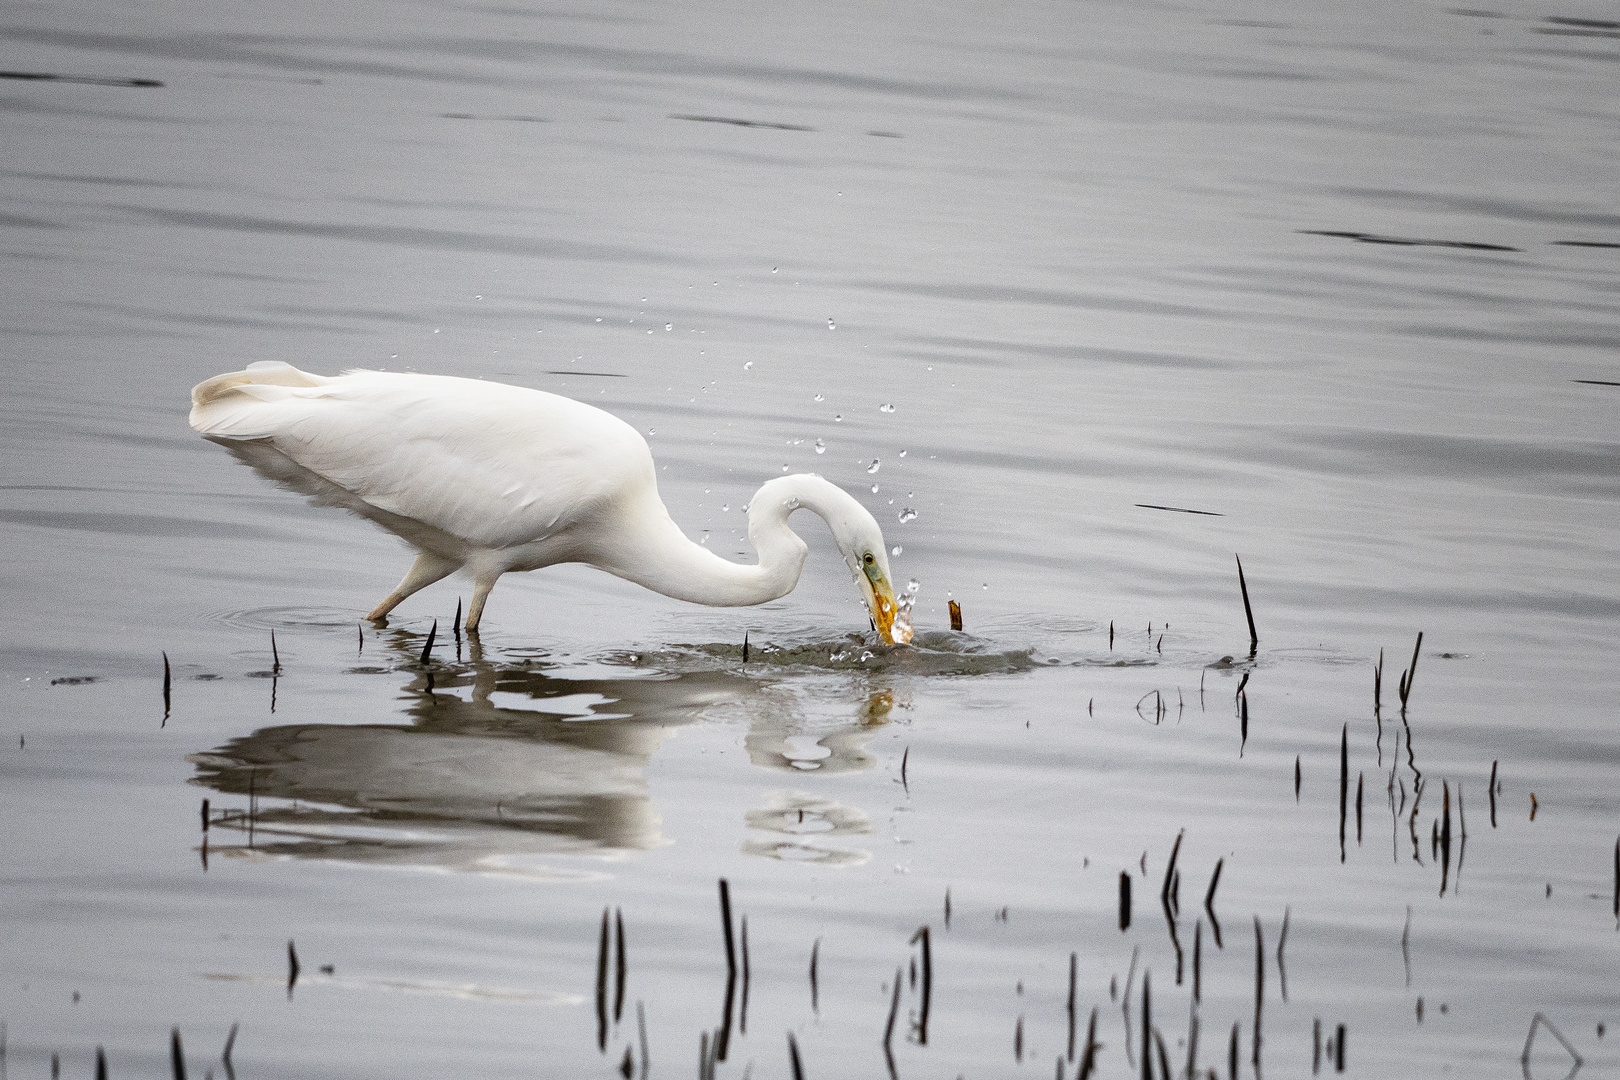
(1342, 279)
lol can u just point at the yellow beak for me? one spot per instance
(884, 608)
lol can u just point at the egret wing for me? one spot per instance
(494, 465)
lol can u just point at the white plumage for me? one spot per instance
(493, 478)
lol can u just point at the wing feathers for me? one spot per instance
(495, 465)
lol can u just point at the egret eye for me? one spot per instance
(869, 559)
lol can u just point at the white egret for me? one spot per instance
(490, 478)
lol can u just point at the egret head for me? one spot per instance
(861, 542)
(854, 529)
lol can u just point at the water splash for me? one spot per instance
(902, 630)
(886, 408)
(821, 447)
(875, 466)
(908, 514)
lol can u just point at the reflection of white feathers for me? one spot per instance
(493, 478)
(466, 783)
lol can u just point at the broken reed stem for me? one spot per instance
(742, 1014)
(427, 649)
(1410, 673)
(1170, 869)
(1198, 962)
(1164, 1058)
(275, 656)
(956, 614)
(1492, 792)
(793, 1058)
(815, 993)
(725, 923)
(1259, 988)
(894, 1011)
(1361, 783)
(621, 967)
(1074, 961)
(1344, 784)
(177, 1056)
(922, 936)
(1378, 684)
(1248, 610)
(1124, 900)
(1088, 1059)
(1282, 968)
(602, 947)
(1147, 1025)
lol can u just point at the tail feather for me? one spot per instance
(224, 405)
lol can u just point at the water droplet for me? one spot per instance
(874, 489)
(784, 468)
(831, 325)
(725, 508)
(669, 326)
(821, 447)
(908, 514)
(652, 431)
(875, 466)
(895, 550)
(748, 365)
(838, 418)
(773, 269)
(818, 397)
(903, 453)
(599, 318)
(885, 408)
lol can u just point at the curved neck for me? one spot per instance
(647, 547)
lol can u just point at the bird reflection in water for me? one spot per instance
(502, 765)
(803, 823)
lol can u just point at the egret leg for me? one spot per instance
(424, 571)
(481, 586)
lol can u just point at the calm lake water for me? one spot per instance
(1343, 279)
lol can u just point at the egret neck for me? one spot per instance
(645, 546)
